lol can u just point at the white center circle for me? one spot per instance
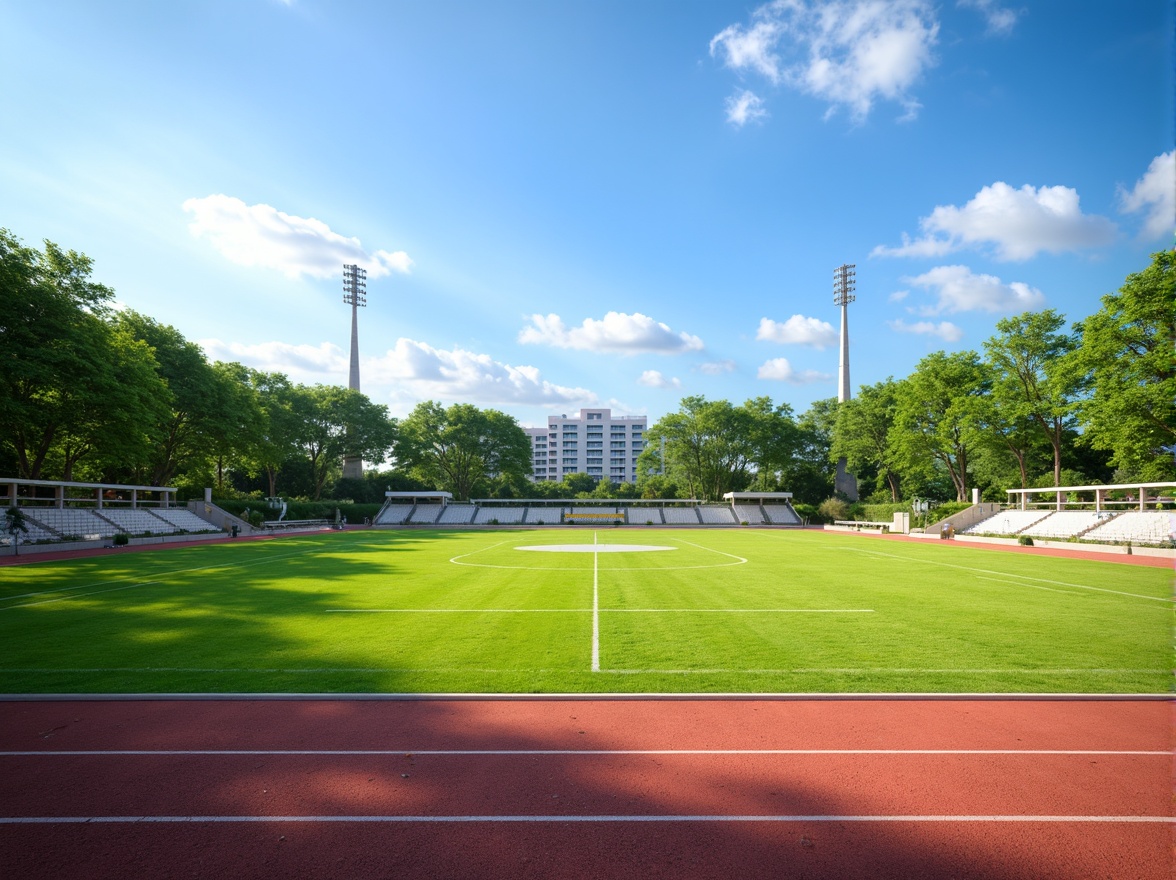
(596, 548)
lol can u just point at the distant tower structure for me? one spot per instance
(355, 295)
(844, 283)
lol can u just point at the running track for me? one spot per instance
(485, 788)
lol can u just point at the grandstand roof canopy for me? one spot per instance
(443, 497)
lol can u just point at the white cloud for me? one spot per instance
(655, 379)
(420, 372)
(260, 235)
(898, 296)
(945, 330)
(1018, 223)
(717, 368)
(324, 362)
(1000, 19)
(797, 330)
(1154, 193)
(780, 370)
(850, 53)
(745, 107)
(958, 289)
(617, 332)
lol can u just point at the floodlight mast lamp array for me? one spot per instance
(355, 295)
(844, 282)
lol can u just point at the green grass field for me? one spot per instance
(721, 610)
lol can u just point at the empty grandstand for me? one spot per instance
(1136, 527)
(500, 515)
(1064, 524)
(781, 514)
(184, 520)
(749, 513)
(1007, 522)
(639, 515)
(71, 523)
(456, 514)
(681, 516)
(716, 515)
(138, 521)
(425, 514)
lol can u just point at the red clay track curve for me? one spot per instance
(989, 790)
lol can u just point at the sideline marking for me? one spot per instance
(76, 820)
(981, 577)
(595, 608)
(880, 554)
(416, 753)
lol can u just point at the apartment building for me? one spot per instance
(596, 443)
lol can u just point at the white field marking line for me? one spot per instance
(980, 577)
(508, 753)
(881, 555)
(450, 670)
(595, 607)
(456, 610)
(95, 820)
(885, 670)
(741, 560)
(265, 561)
(454, 559)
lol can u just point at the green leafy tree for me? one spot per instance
(809, 476)
(1129, 353)
(281, 426)
(1036, 378)
(338, 422)
(186, 436)
(461, 447)
(936, 417)
(15, 526)
(235, 435)
(862, 434)
(708, 445)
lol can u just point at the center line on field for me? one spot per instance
(595, 606)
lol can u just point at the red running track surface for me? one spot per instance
(982, 789)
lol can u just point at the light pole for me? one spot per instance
(844, 283)
(355, 295)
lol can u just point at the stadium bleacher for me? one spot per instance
(1064, 524)
(394, 514)
(184, 520)
(681, 516)
(781, 515)
(1136, 526)
(138, 521)
(749, 513)
(1007, 522)
(642, 515)
(456, 514)
(504, 515)
(425, 514)
(33, 534)
(717, 515)
(72, 522)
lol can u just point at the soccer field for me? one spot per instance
(582, 610)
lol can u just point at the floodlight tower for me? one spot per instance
(355, 295)
(844, 283)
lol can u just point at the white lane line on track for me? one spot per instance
(95, 820)
(417, 753)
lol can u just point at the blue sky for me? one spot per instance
(611, 203)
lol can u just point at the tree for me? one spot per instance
(1129, 354)
(51, 342)
(280, 428)
(459, 448)
(339, 422)
(15, 526)
(809, 477)
(236, 434)
(186, 435)
(936, 419)
(1036, 378)
(862, 434)
(708, 445)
